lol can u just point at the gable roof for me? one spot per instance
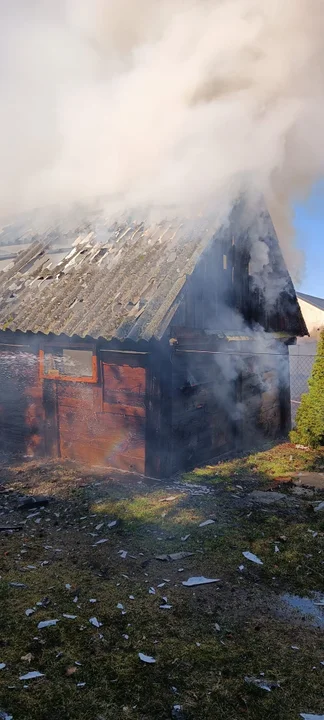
(119, 280)
(315, 301)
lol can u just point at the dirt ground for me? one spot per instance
(94, 554)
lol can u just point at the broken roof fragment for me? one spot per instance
(46, 623)
(200, 580)
(31, 675)
(146, 658)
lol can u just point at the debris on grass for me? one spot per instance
(254, 558)
(206, 522)
(200, 580)
(3, 666)
(5, 716)
(263, 684)
(70, 617)
(319, 507)
(31, 675)
(46, 623)
(27, 658)
(146, 658)
(166, 607)
(123, 553)
(185, 537)
(17, 585)
(152, 591)
(93, 621)
(306, 716)
(29, 611)
(100, 542)
(113, 523)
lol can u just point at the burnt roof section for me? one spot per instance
(115, 281)
(315, 301)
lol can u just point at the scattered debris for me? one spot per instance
(319, 507)
(28, 503)
(17, 585)
(201, 580)
(98, 527)
(123, 553)
(70, 617)
(146, 658)
(306, 716)
(166, 607)
(152, 591)
(93, 621)
(29, 612)
(185, 537)
(263, 684)
(100, 542)
(295, 647)
(206, 522)
(217, 627)
(113, 523)
(267, 498)
(81, 684)
(27, 658)
(31, 675)
(5, 716)
(68, 586)
(170, 498)
(3, 666)
(46, 623)
(92, 600)
(276, 549)
(249, 556)
(176, 713)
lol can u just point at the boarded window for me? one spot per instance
(66, 363)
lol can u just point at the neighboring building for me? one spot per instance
(313, 312)
(303, 353)
(129, 348)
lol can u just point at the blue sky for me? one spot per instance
(309, 227)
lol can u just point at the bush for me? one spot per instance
(309, 428)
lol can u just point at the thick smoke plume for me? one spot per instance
(161, 102)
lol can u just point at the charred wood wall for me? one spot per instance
(21, 403)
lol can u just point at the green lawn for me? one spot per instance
(211, 638)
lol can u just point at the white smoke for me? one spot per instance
(161, 102)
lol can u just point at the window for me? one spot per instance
(69, 364)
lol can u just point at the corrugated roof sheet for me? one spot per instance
(119, 280)
(315, 301)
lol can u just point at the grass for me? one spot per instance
(205, 645)
(281, 461)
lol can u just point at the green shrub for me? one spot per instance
(309, 428)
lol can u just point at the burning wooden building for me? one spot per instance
(148, 348)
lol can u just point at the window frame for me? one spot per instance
(55, 375)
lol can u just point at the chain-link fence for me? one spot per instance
(301, 362)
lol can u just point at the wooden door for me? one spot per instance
(104, 424)
(124, 413)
